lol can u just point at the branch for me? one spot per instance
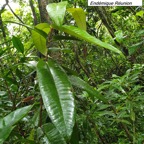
(1, 22)
(106, 20)
(2, 27)
(17, 17)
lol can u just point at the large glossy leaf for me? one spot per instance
(39, 37)
(56, 12)
(76, 81)
(7, 123)
(18, 44)
(60, 37)
(79, 16)
(82, 34)
(57, 96)
(52, 134)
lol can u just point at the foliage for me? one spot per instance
(76, 78)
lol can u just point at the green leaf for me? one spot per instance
(56, 12)
(132, 49)
(6, 123)
(76, 81)
(19, 73)
(75, 135)
(79, 16)
(31, 135)
(140, 13)
(39, 37)
(2, 93)
(123, 121)
(14, 116)
(11, 80)
(25, 141)
(57, 96)
(119, 35)
(5, 132)
(132, 115)
(52, 134)
(18, 44)
(103, 113)
(3, 52)
(60, 37)
(81, 34)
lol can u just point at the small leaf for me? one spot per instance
(81, 34)
(18, 44)
(31, 135)
(18, 73)
(79, 16)
(123, 121)
(39, 37)
(56, 12)
(103, 113)
(132, 49)
(52, 134)
(2, 93)
(132, 115)
(57, 96)
(140, 13)
(11, 80)
(119, 35)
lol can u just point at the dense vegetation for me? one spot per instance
(71, 74)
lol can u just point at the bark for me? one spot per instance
(1, 22)
(33, 12)
(43, 12)
(2, 27)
